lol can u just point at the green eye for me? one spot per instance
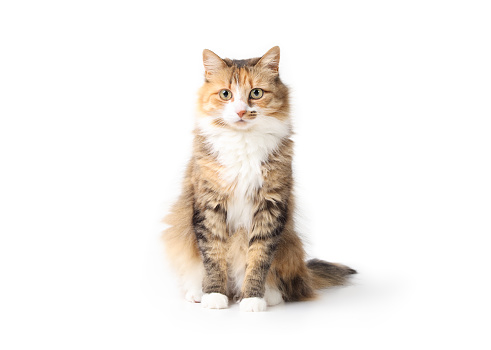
(225, 94)
(256, 94)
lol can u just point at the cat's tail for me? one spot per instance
(326, 274)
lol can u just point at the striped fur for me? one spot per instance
(232, 229)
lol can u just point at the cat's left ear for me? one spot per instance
(271, 59)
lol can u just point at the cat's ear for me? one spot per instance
(212, 62)
(271, 59)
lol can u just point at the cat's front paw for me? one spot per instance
(253, 304)
(214, 301)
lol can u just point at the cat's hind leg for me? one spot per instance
(192, 282)
(182, 251)
(272, 295)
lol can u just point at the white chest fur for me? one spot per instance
(241, 153)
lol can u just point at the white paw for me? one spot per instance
(194, 295)
(272, 296)
(253, 304)
(214, 301)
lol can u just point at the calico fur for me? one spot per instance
(231, 232)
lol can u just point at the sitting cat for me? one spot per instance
(231, 232)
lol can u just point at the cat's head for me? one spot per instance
(243, 94)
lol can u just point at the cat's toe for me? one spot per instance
(253, 304)
(194, 295)
(214, 301)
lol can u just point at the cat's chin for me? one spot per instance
(241, 125)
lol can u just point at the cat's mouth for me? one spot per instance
(245, 121)
(239, 123)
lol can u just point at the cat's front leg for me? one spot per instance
(268, 224)
(209, 223)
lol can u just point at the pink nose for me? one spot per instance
(241, 113)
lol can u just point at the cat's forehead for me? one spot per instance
(248, 62)
(242, 73)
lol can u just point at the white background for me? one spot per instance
(391, 103)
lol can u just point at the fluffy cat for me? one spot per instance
(231, 233)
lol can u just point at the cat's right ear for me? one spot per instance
(212, 62)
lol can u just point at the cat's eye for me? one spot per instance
(225, 94)
(256, 94)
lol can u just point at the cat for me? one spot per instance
(231, 232)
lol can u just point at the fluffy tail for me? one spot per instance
(313, 275)
(325, 274)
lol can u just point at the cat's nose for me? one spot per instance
(241, 113)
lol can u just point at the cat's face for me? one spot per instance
(243, 94)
